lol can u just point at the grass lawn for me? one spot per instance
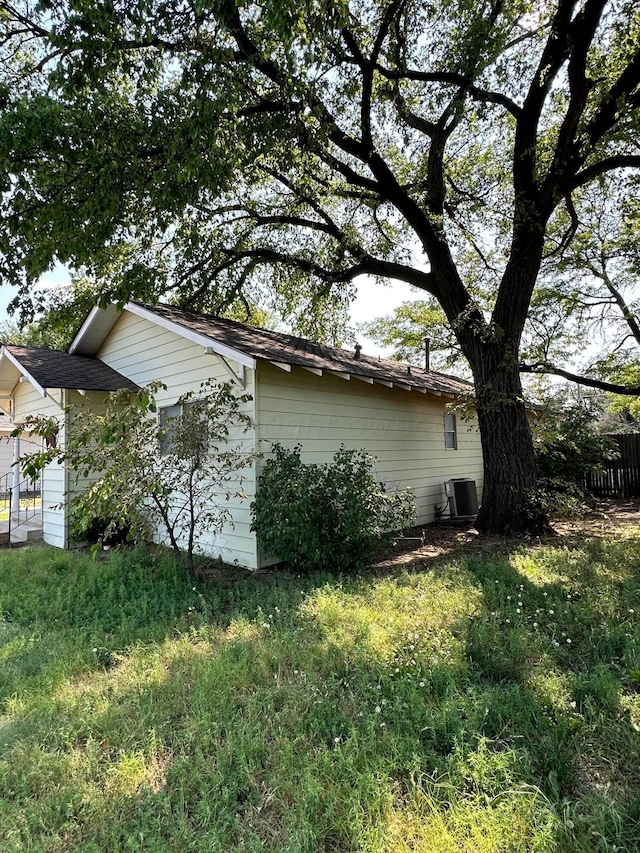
(476, 702)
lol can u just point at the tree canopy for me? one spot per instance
(222, 150)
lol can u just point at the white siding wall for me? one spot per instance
(6, 456)
(29, 402)
(145, 352)
(96, 402)
(403, 429)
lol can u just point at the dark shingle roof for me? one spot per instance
(53, 369)
(288, 349)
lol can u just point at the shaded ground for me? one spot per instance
(483, 697)
(440, 539)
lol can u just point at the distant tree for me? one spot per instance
(405, 330)
(31, 334)
(56, 316)
(585, 308)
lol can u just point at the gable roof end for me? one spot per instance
(47, 368)
(100, 321)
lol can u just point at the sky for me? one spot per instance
(375, 300)
(372, 300)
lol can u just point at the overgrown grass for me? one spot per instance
(475, 704)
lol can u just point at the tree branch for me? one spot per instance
(385, 184)
(608, 113)
(544, 368)
(609, 164)
(580, 36)
(556, 51)
(627, 315)
(30, 25)
(368, 265)
(453, 79)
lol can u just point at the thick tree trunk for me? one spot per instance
(509, 504)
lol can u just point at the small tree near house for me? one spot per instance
(138, 469)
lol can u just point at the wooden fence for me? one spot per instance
(621, 478)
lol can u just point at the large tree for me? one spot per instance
(216, 148)
(584, 318)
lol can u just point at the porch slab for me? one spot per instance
(21, 531)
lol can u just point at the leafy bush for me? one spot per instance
(97, 529)
(331, 516)
(567, 448)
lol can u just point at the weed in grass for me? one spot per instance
(436, 818)
(597, 691)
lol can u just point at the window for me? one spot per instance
(167, 424)
(183, 429)
(450, 435)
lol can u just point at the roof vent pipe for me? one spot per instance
(427, 354)
(358, 350)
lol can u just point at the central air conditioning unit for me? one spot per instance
(462, 496)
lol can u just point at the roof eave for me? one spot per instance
(5, 353)
(386, 381)
(94, 331)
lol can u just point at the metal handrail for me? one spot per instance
(28, 492)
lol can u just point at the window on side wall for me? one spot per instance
(167, 423)
(185, 424)
(450, 434)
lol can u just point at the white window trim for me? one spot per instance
(453, 432)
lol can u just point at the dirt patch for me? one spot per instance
(606, 518)
(441, 539)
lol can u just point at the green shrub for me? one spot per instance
(567, 449)
(98, 529)
(331, 516)
(561, 497)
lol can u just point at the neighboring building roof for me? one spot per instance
(48, 368)
(245, 344)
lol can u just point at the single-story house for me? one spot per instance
(302, 393)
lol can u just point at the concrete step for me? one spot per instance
(21, 532)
